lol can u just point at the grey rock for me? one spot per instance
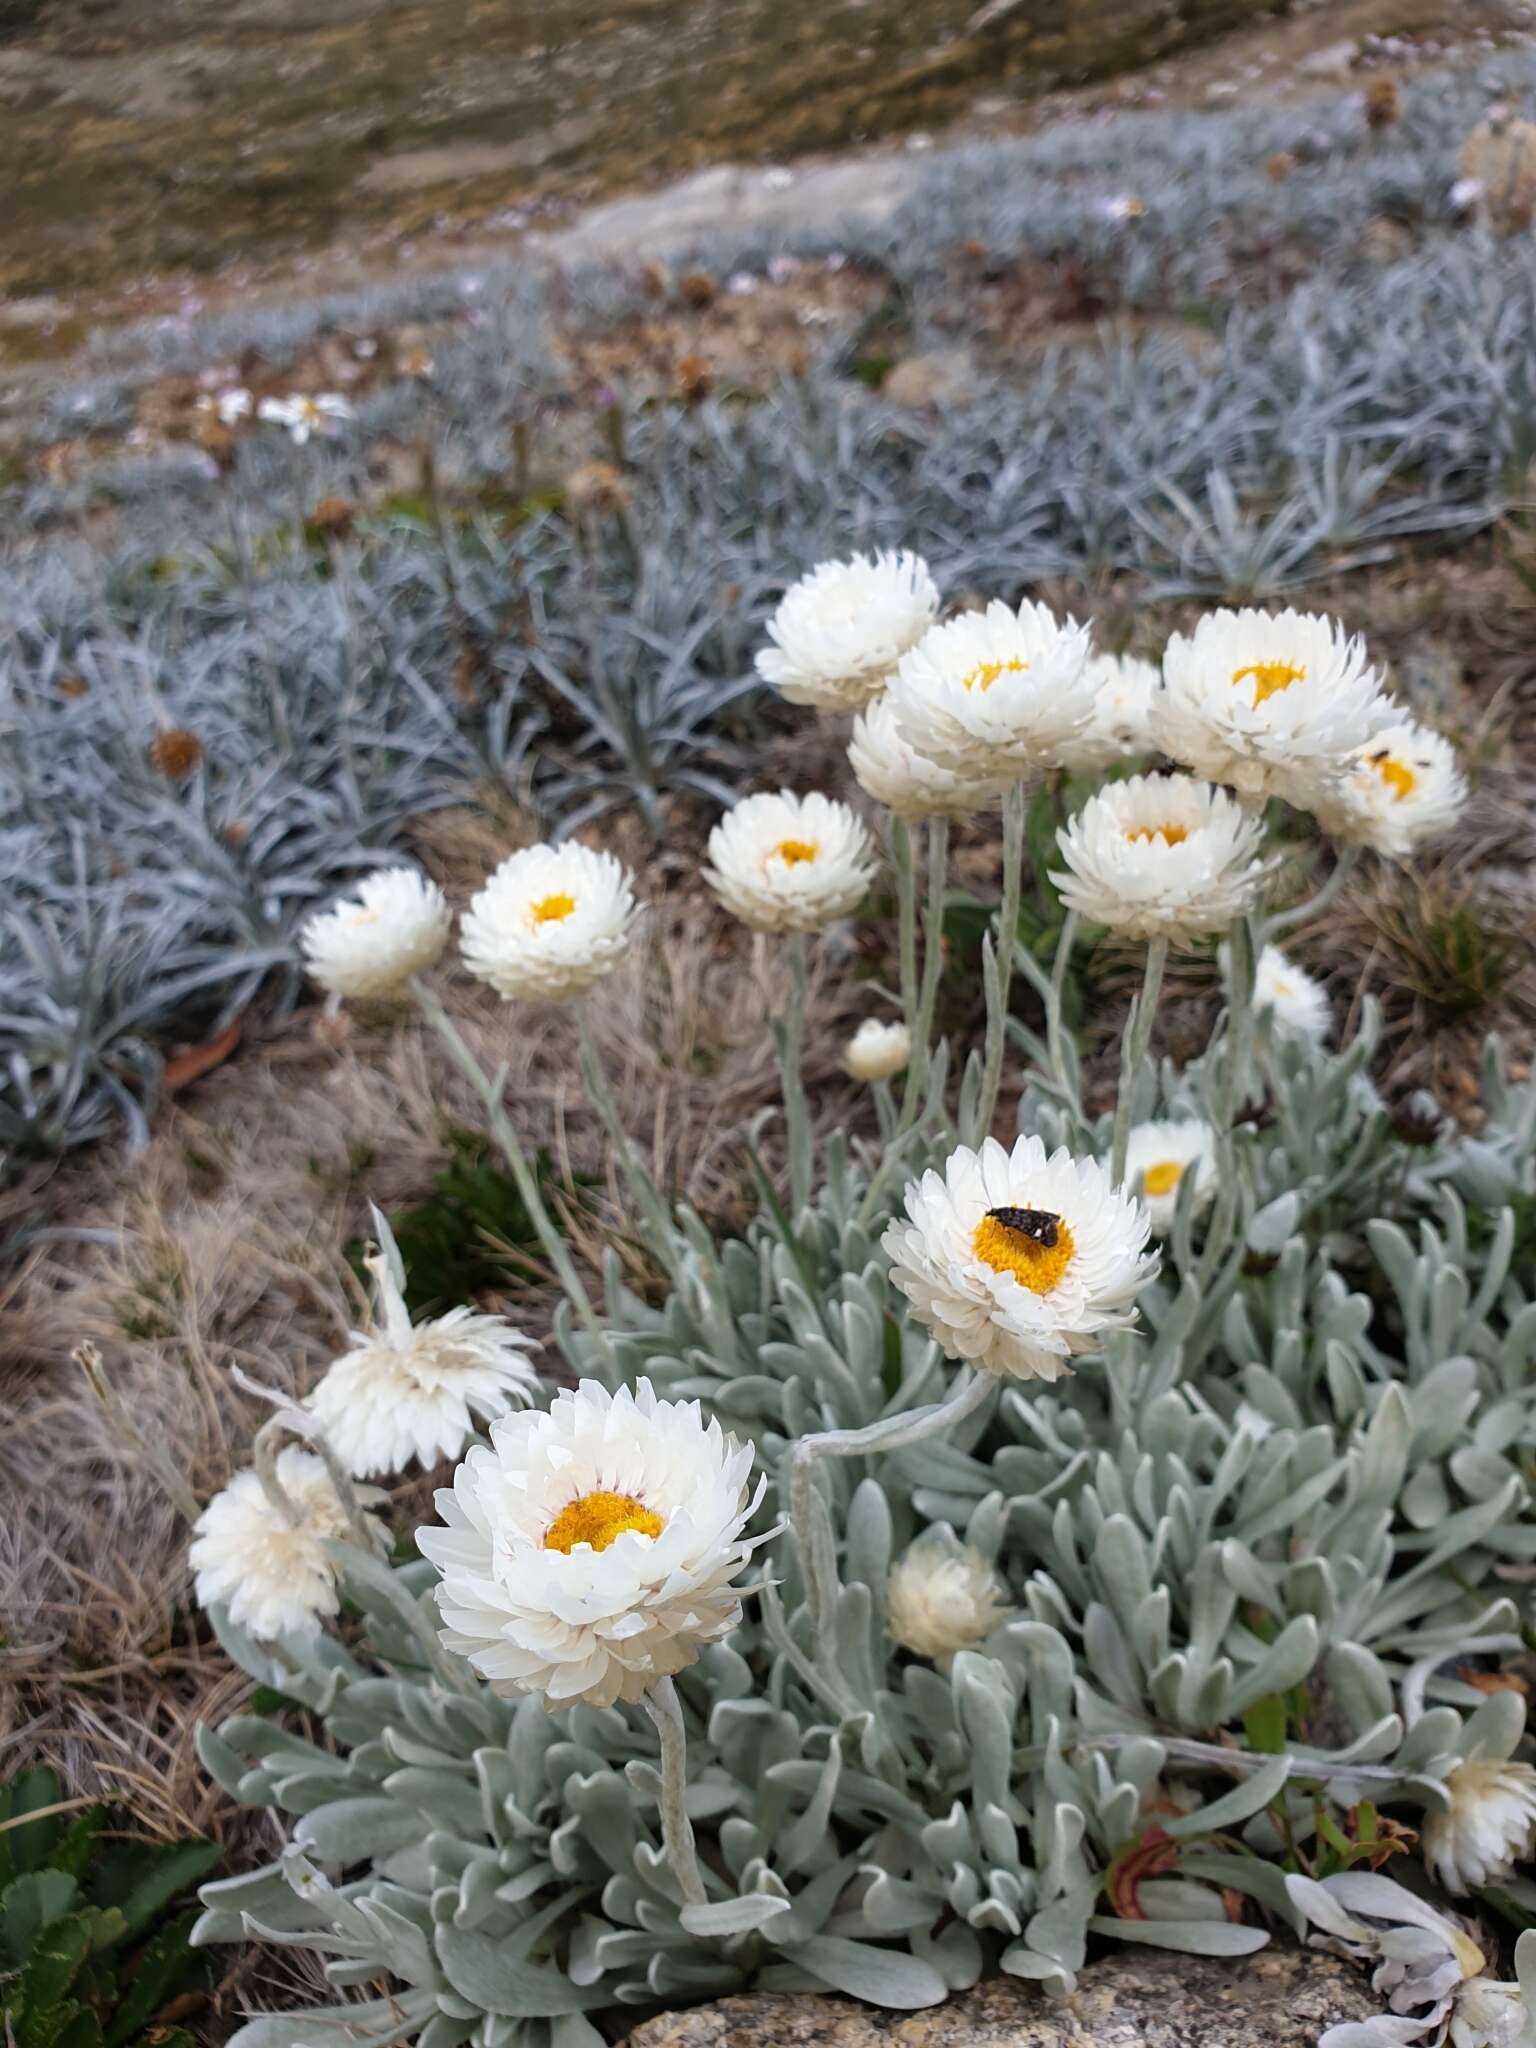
(1283, 1997)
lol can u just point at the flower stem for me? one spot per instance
(933, 967)
(662, 1704)
(906, 909)
(893, 1433)
(1242, 955)
(506, 1137)
(642, 1187)
(1054, 1034)
(1015, 807)
(1134, 1041)
(1315, 905)
(791, 1037)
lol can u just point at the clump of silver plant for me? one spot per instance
(1140, 1511)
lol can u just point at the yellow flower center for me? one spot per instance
(1269, 678)
(1034, 1265)
(1162, 1178)
(599, 1519)
(1397, 775)
(986, 673)
(551, 909)
(795, 852)
(1171, 835)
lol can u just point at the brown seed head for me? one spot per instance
(175, 753)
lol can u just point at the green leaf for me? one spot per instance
(1188, 1937)
(83, 2030)
(481, 1970)
(26, 1848)
(165, 1967)
(36, 2004)
(882, 1976)
(28, 1905)
(1264, 1725)
(144, 1881)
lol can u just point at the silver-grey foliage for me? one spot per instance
(1302, 1492)
(1305, 400)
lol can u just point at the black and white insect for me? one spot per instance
(1038, 1224)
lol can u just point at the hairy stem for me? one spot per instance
(510, 1145)
(1054, 1031)
(797, 1123)
(1315, 905)
(1134, 1041)
(933, 968)
(662, 1704)
(892, 1433)
(906, 913)
(1015, 807)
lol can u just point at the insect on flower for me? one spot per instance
(1040, 1224)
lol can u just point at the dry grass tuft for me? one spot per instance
(223, 1244)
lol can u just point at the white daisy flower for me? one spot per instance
(273, 1572)
(1019, 1262)
(876, 1051)
(407, 1391)
(1161, 856)
(551, 922)
(942, 1596)
(994, 695)
(1125, 700)
(840, 630)
(789, 863)
(589, 1551)
(1402, 787)
(1158, 1159)
(372, 943)
(1298, 1001)
(1271, 702)
(906, 782)
(305, 416)
(1489, 1827)
(227, 407)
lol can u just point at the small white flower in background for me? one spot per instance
(838, 633)
(228, 407)
(273, 1573)
(1121, 206)
(1123, 706)
(1466, 195)
(1298, 1001)
(1019, 1262)
(876, 1051)
(1159, 1157)
(909, 785)
(409, 1392)
(1161, 856)
(1427, 1966)
(1402, 787)
(372, 943)
(786, 863)
(997, 694)
(942, 1596)
(590, 1550)
(1490, 1825)
(305, 416)
(551, 922)
(1271, 702)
